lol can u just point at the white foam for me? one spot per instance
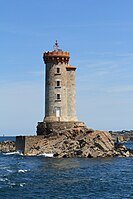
(22, 184)
(12, 184)
(10, 171)
(13, 153)
(22, 170)
(3, 179)
(48, 155)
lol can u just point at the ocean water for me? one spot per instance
(73, 178)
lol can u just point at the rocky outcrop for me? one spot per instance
(122, 151)
(77, 142)
(7, 146)
(122, 136)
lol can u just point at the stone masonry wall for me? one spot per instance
(71, 95)
(51, 91)
(26, 143)
(63, 107)
(20, 143)
(44, 128)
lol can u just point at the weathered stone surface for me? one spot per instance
(122, 136)
(46, 128)
(63, 107)
(75, 142)
(78, 141)
(122, 151)
(8, 146)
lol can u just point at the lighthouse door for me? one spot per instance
(58, 112)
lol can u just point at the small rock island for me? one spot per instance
(60, 134)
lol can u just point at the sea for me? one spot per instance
(38, 177)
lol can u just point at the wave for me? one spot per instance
(22, 184)
(13, 153)
(48, 155)
(10, 171)
(14, 184)
(3, 179)
(22, 170)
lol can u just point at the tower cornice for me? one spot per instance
(56, 57)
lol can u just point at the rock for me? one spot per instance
(122, 151)
(76, 142)
(7, 146)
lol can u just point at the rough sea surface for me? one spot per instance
(78, 178)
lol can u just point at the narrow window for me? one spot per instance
(58, 83)
(58, 96)
(58, 70)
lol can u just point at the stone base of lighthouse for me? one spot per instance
(47, 128)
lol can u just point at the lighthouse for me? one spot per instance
(60, 92)
(60, 86)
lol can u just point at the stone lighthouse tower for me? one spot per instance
(60, 90)
(60, 86)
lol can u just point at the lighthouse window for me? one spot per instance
(58, 83)
(58, 70)
(58, 96)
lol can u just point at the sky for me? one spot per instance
(99, 36)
